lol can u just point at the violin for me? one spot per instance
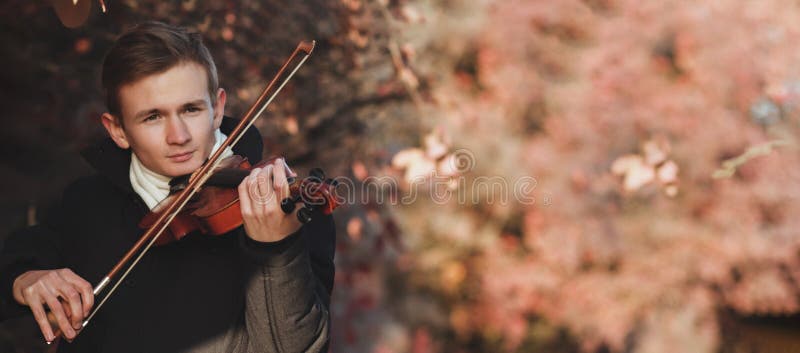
(215, 209)
(207, 200)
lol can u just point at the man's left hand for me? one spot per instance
(260, 196)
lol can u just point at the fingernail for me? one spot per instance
(256, 171)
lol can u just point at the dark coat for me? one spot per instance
(203, 293)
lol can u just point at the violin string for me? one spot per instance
(191, 193)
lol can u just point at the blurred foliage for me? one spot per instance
(661, 137)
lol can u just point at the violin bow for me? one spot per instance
(152, 234)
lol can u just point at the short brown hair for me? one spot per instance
(151, 48)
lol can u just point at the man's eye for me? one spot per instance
(151, 117)
(193, 109)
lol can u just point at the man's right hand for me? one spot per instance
(37, 288)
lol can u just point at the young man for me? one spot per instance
(264, 287)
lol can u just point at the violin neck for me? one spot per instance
(229, 178)
(225, 178)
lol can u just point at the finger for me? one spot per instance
(41, 317)
(289, 171)
(58, 311)
(73, 299)
(71, 293)
(244, 198)
(252, 186)
(252, 189)
(84, 288)
(66, 290)
(281, 185)
(264, 187)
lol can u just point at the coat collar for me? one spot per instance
(113, 162)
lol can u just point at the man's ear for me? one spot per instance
(219, 108)
(114, 127)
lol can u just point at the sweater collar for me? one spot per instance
(113, 162)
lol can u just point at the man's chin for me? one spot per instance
(180, 169)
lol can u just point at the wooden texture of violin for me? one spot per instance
(214, 210)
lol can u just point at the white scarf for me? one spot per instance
(154, 187)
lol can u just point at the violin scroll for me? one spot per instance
(317, 194)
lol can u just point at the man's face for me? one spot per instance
(168, 119)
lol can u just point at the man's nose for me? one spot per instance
(177, 131)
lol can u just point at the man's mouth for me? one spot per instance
(181, 157)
